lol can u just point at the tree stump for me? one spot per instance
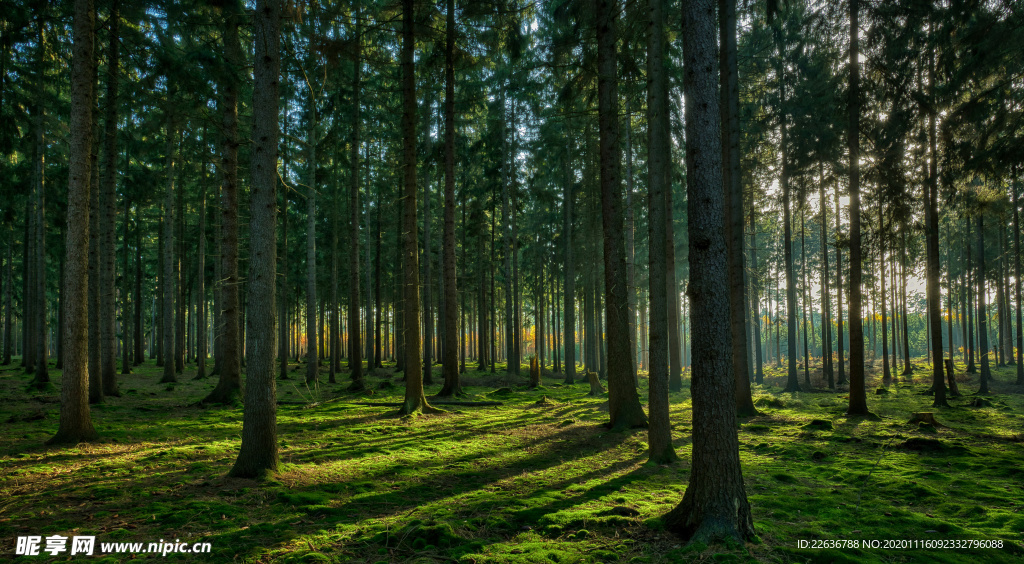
(596, 388)
(925, 417)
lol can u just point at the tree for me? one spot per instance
(450, 366)
(108, 197)
(858, 404)
(729, 106)
(415, 400)
(229, 357)
(715, 503)
(258, 454)
(75, 420)
(355, 350)
(660, 431)
(623, 401)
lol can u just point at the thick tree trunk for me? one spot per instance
(715, 503)
(623, 401)
(258, 454)
(75, 420)
(733, 204)
(229, 359)
(415, 400)
(659, 435)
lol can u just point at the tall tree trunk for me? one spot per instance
(841, 378)
(170, 271)
(569, 271)
(1017, 277)
(733, 203)
(623, 401)
(312, 328)
(803, 299)
(986, 372)
(108, 219)
(755, 299)
(201, 284)
(228, 384)
(715, 503)
(258, 454)
(9, 294)
(75, 420)
(826, 305)
(355, 359)
(886, 373)
(415, 400)
(126, 335)
(932, 246)
(659, 435)
(139, 355)
(858, 404)
(450, 367)
(284, 337)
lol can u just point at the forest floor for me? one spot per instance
(520, 482)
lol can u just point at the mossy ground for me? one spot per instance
(523, 482)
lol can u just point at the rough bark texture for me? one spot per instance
(569, 295)
(623, 401)
(229, 360)
(858, 396)
(729, 106)
(415, 400)
(170, 265)
(108, 219)
(450, 366)
(932, 267)
(355, 349)
(258, 454)
(659, 435)
(312, 328)
(715, 503)
(75, 420)
(792, 381)
(983, 351)
(1016, 275)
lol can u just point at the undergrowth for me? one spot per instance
(525, 481)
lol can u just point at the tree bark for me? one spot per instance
(312, 328)
(75, 421)
(228, 384)
(450, 366)
(733, 204)
(108, 219)
(258, 454)
(858, 404)
(986, 372)
(659, 435)
(415, 400)
(170, 270)
(355, 359)
(715, 503)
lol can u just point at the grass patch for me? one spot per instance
(509, 483)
